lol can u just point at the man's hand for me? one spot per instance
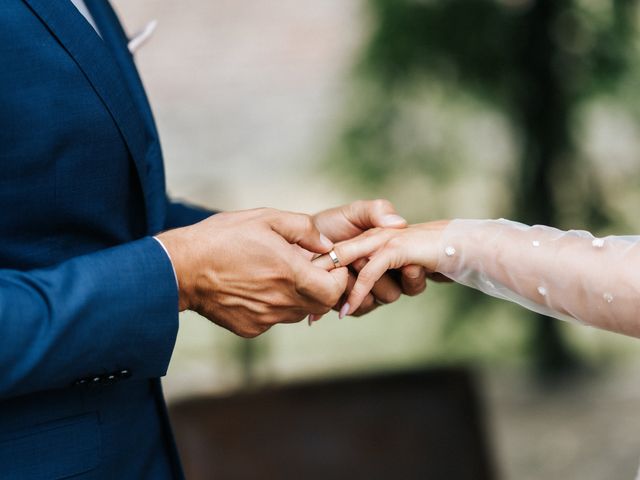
(349, 221)
(244, 272)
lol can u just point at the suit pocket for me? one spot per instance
(53, 450)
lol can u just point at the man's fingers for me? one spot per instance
(368, 305)
(320, 289)
(351, 281)
(439, 278)
(413, 279)
(341, 277)
(368, 214)
(325, 262)
(386, 290)
(299, 229)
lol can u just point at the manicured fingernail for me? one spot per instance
(344, 310)
(325, 241)
(393, 221)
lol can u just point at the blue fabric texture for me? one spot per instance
(88, 300)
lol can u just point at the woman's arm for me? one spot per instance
(567, 275)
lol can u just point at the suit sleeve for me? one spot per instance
(183, 214)
(102, 317)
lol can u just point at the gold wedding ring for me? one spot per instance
(334, 259)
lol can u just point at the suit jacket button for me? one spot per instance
(124, 374)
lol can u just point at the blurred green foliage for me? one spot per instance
(534, 63)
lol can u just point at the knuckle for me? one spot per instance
(323, 310)
(382, 204)
(416, 288)
(420, 289)
(393, 244)
(359, 264)
(263, 215)
(413, 272)
(307, 223)
(332, 300)
(367, 306)
(296, 317)
(256, 327)
(358, 204)
(328, 299)
(271, 214)
(325, 303)
(376, 236)
(248, 333)
(389, 296)
(364, 311)
(259, 329)
(265, 211)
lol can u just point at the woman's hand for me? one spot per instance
(387, 249)
(348, 222)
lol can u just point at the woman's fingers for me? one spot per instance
(351, 250)
(385, 291)
(369, 304)
(367, 278)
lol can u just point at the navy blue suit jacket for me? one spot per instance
(88, 300)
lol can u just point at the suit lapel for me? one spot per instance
(117, 41)
(97, 62)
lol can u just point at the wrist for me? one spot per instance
(463, 242)
(175, 243)
(424, 245)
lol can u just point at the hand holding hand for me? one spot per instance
(244, 272)
(387, 249)
(350, 221)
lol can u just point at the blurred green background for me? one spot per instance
(480, 108)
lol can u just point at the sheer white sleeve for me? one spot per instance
(568, 275)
